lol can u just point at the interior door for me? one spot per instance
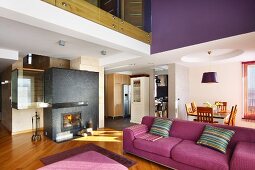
(118, 100)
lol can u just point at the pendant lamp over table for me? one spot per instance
(209, 77)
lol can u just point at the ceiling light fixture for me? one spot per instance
(103, 52)
(209, 77)
(61, 43)
(5, 82)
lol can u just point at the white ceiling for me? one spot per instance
(240, 48)
(28, 39)
(211, 55)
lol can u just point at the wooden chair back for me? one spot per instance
(193, 106)
(205, 114)
(232, 117)
(222, 107)
(188, 108)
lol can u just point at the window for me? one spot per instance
(249, 90)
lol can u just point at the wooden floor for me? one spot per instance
(18, 152)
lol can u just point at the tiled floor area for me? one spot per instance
(118, 123)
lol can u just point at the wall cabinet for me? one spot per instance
(114, 94)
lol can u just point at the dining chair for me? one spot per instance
(222, 107)
(193, 106)
(205, 114)
(188, 108)
(230, 120)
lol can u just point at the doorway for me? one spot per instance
(117, 101)
(161, 95)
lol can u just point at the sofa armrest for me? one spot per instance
(243, 156)
(137, 129)
(129, 135)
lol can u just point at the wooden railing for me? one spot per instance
(97, 15)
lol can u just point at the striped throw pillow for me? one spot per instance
(161, 127)
(216, 138)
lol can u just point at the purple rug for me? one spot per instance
(85, 148)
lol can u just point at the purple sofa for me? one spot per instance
(180, 151)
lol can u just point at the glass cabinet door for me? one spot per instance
(137, 90)
(27, 89)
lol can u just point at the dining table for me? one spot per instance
(216, 114)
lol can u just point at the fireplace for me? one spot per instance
(71, 121)
(74, 96)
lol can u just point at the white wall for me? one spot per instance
(228, 89)
(178, 88)
(171, 91)
(9, 54)
(22, 120)
(181, 89)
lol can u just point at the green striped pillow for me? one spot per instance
(216, 138)
(161, 127)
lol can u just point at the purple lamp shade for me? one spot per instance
(209, 77)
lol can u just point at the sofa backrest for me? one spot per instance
(190, 130)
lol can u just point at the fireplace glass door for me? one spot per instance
(71, 121)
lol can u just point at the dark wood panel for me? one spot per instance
(38, 62)
(134, 12)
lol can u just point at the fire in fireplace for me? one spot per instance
(71, 121)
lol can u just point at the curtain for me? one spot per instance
(249, 89)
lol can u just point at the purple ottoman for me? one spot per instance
(86, 161)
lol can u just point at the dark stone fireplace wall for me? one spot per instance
(68, 86)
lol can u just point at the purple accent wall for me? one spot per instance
(180, 23)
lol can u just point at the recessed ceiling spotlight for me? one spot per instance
(151, 63)
(103, 52)
(61, 43)
(29, 58)
(132, 64)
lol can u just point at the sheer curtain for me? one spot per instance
(249, 90)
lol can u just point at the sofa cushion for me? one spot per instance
(189, 153)
(216, 138)
(161, 127)
(161, 147)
